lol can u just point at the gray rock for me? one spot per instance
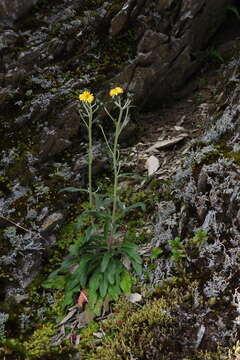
(58, 137)
(52, 221)
(168, 54)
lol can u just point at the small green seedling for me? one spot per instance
(155, 253)
(177, 248)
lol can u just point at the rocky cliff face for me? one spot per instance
(172, 35)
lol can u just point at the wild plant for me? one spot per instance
(178, 251)
(100, 260)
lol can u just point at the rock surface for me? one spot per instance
(40, 73)
(172, 36)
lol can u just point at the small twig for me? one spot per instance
(19, 226)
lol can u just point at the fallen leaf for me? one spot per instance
(166, 143)
(152, 165)
(82, 299)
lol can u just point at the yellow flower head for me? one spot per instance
(116, 91)
(86, 96)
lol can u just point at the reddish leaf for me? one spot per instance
(82, 299)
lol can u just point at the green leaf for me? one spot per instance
(114, 291)
(81, 272)
(105, 261)
(99, 214)
(95, 280)
(132, 254)
(68, 298)
(137, 267)
(101, 202)
(155, 253)
(68, 261)
(103, 286)
(92, 298)
(119, 267)
(126, 283)
(72, 281)
(134, 206)
(74, 249)
(53, 275)
(98, 307)
(111, 272)
(56, 283)
(130, 245)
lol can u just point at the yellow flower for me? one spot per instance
(116, 91)
(86, 96)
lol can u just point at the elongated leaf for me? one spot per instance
(82, 270)
(119, 267)
(155, 253)
(111, 272)
(95, 280)
(68, 261)
(98, 306)
(137, 267)
(56, 283)
(83, 279)
(105, 261)
(72, 282)
(90, 232)
(132, 254)
(92, 298)
(53, 275)
(98, 214)
(114, 291)
(126, 283)
(74, 249)
(130, 245)
(134, 206)
(68, 298)
(101, 202)
(103, 286)
(94, 266)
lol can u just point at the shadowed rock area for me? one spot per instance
(14, 9)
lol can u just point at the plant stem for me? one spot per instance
(115, 164)
(90, 158)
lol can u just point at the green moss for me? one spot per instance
(235, 156)
(40, 342)
(132, 332)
